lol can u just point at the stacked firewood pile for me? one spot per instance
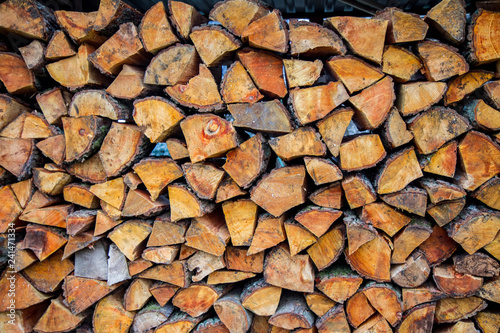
(319, 178)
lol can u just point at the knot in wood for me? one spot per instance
(212, 127)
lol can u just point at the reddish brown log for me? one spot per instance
(311, 40)
(365, 37)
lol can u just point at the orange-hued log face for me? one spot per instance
(244, 166)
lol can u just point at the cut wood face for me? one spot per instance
(15, 75)
(362, 152)
(413, 272)
(209, 233)
(59, 46)
(79, 26)
(421, 317)
(449, 18)
(266, 69)
(354, 30)
(492, 90)
(270, 231)
(15, 17)
(321, 170)
(83, 136)
(156, 174)
(55, 216)
(96, 103)
(156, 32)
(248, 170)
(358, 232)
(57, 309)
(236, 15)
(196, 299)
(247, 162)
(301, 72)
(419, 96)
(353, 72)
(114, 160)
(299, 238)
(441, 61)
(11, 209)
(386, 301)
(453, 309)
(332, 128)
(292, 313)
(334, 320)
(267, 117)
(311, 104)
(304, 141)
(400, 63)
(399, 170)
(199, 92)
(173, 65)
(373, 104)
(11, 109)
(435, 127)
(403, 27)
(311, 40)
(487, 193)
(484, 48)
(129, 83)
(212, 56)
(111, 14)
(91, 170)
(185, 204)
(483, 224)
(372, 259)
(54, 148)
(466, 84)
(482, 116)
(124, 47)
(486, 161)
(208, 136)
(158, 116)
(77, 71)
(268, 33)
(238, 87)
(185, 17)
(277, 274)
(241, 219)
(111, 314)
(260, 297)
(286, 188)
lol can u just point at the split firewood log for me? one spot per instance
(59, 47)
(365, 37)
(213, 44)
(29, 19)
(112, 13)
(184, 17)
(482, 46)
(400, 63)
(155, 30)
(403, 27)
(77, 71)
(173, 65)
(80, 26)
(291, 176)
(448, 17)
(17, 78)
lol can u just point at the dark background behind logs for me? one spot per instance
(311, 9)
